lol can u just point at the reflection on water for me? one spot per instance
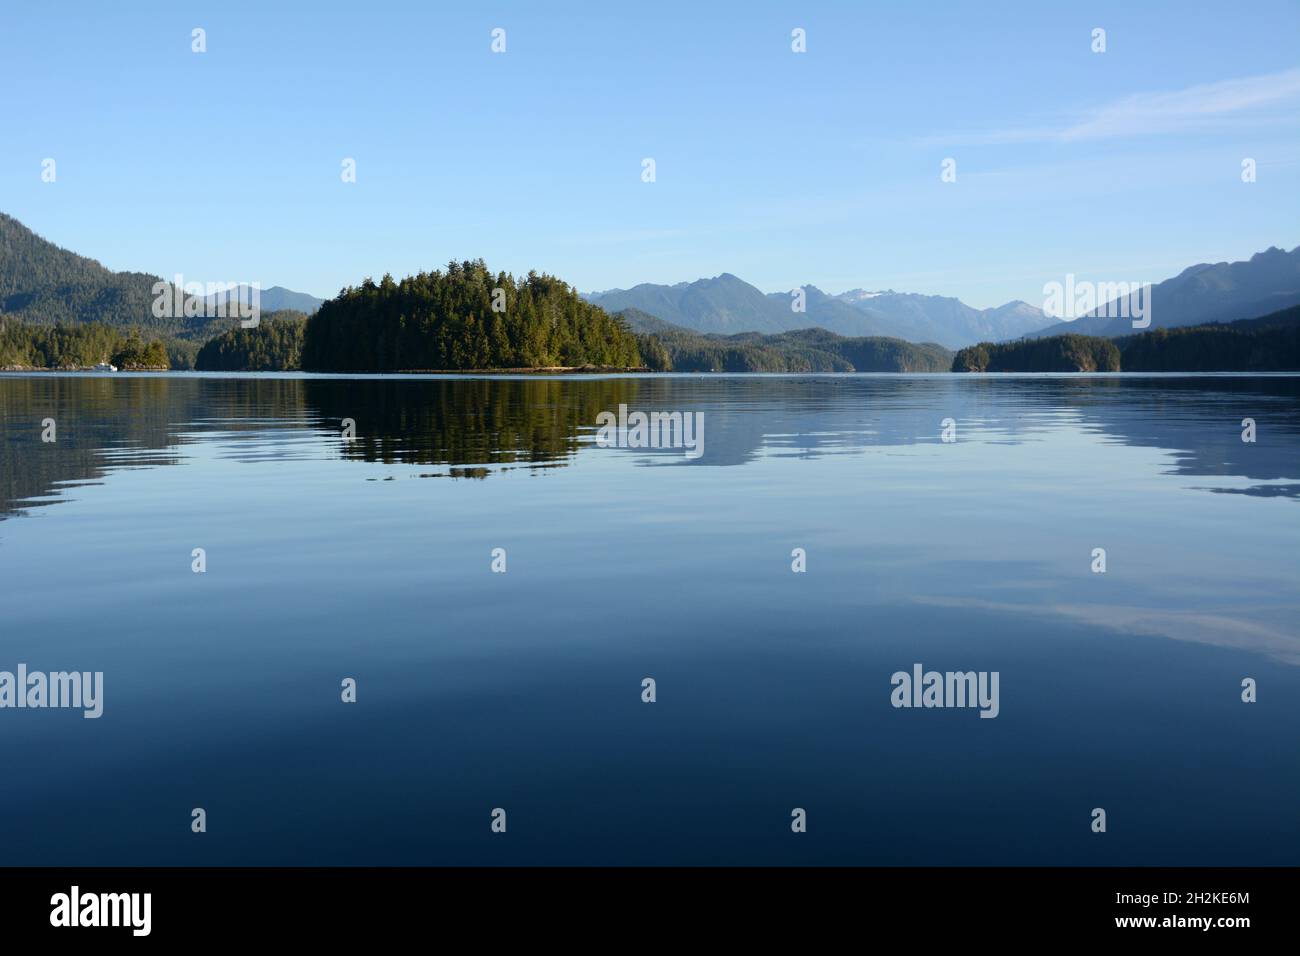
(330, 558)
(478, 425)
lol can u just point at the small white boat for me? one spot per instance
(104, 367)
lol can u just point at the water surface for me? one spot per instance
(371, 559)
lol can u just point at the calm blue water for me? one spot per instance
(522, 690)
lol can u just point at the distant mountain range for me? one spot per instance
(949, 321)
(727, 305)
(1223, 292)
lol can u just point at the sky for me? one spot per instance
(822, 167)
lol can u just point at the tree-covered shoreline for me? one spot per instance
(1270, 343)
(1060, 353)
(80, 346)
(468, 319)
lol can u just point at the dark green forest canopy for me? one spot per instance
(464, 318)
(1061, 353)
(1270, 343)
(43, 284)
(81, 345)
(274, 345)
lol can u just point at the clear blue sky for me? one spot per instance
(782, 168)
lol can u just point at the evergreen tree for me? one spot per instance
(464, 318)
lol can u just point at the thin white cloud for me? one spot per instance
(1203, 107)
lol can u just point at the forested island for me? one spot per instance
(1270, 343)
(464, 319)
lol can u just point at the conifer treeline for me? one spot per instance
(1267, 344)
(274, 345)
(1059, 353)
(447, 320)
(77, 346)
(1270, 343)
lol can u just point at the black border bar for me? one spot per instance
(376, 904)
